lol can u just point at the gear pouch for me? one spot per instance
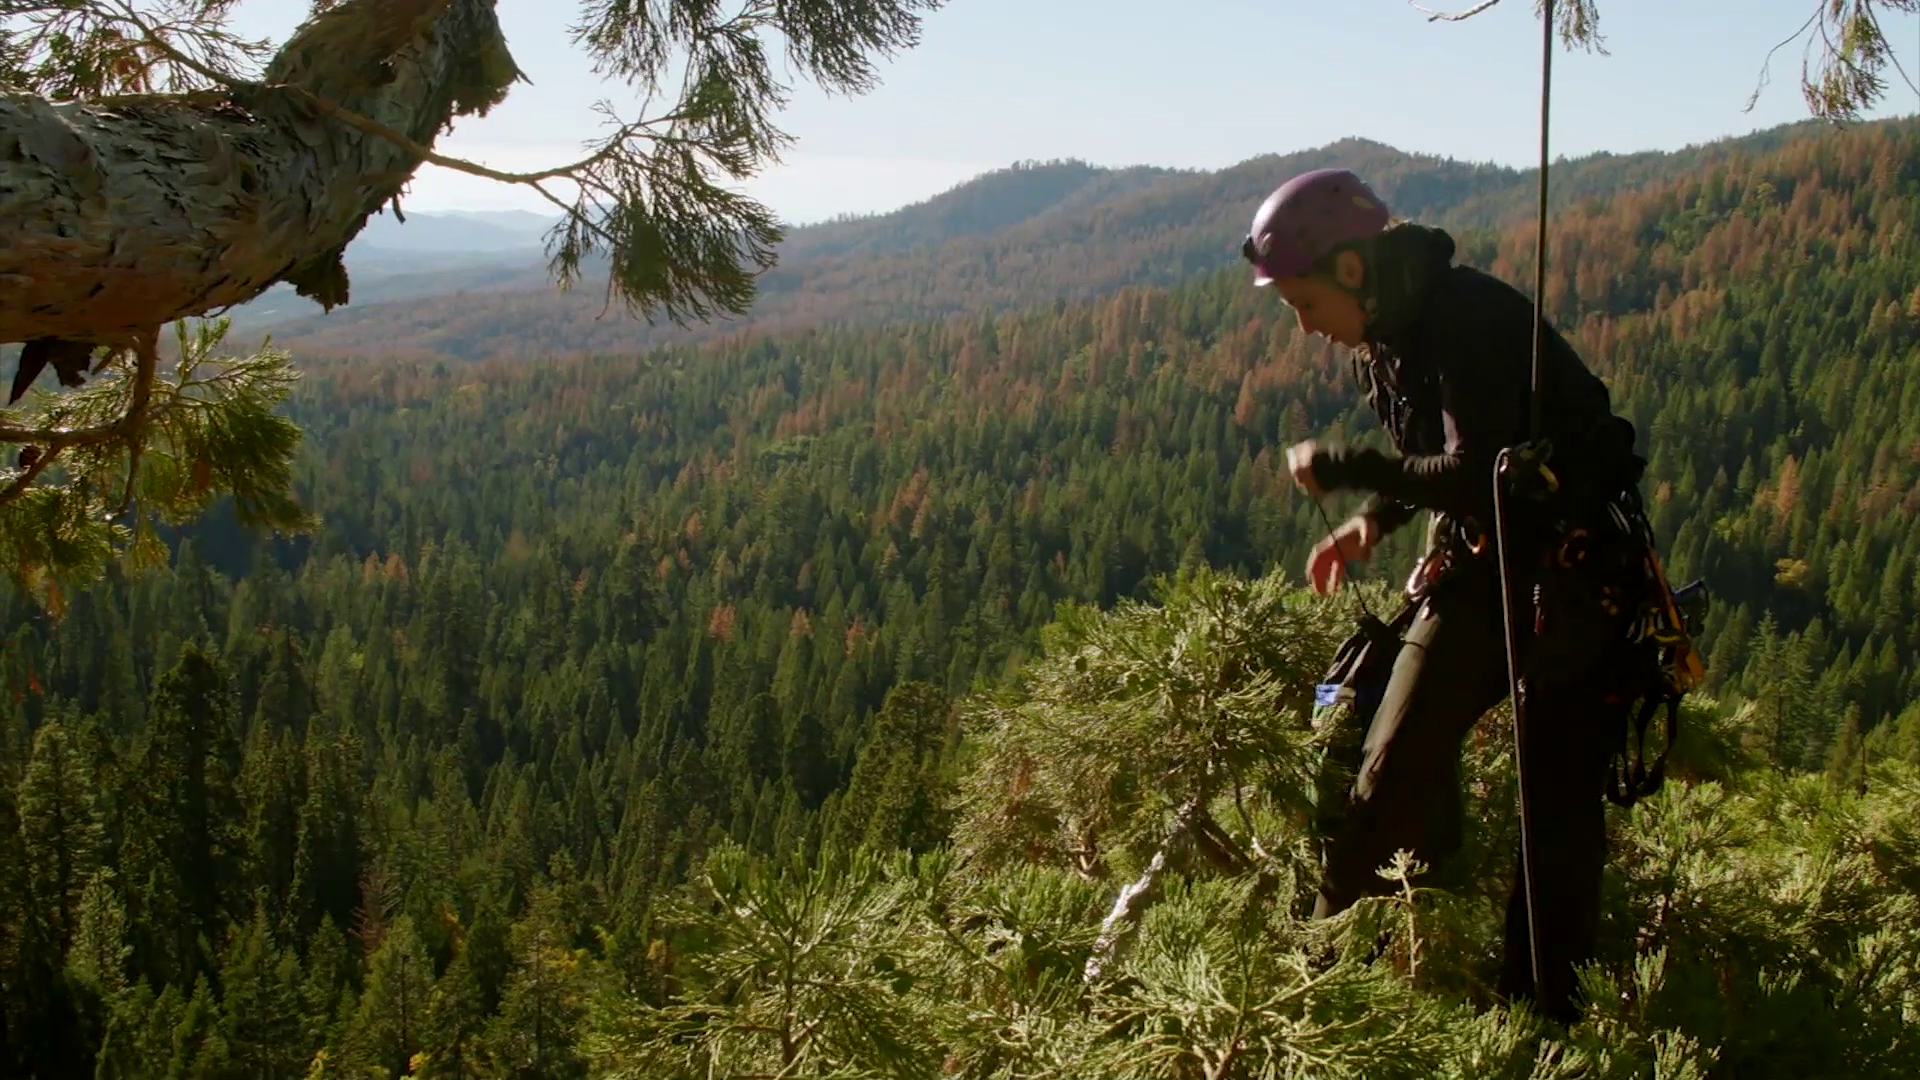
(1344, 703)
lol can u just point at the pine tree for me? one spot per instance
(456, 1018)
(327, 858)
(268, 789)
(200, 1051)
(61, 830)
(390, 1025)
(1847, 762)
(96, 965)
(140, 1030)
(261, 1007)
(536, 1033)
(182, 854)
(326, 991)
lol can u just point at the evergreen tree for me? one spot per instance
(61, 831)
(182, 851)
(261, 1007)
(390, 1025)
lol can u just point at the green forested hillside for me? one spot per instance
(592, 733)
(1008, 241)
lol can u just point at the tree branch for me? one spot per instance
(433, 157)
(1766, 62)
(137, 211)
(1219, 848)
(159, 43)
(1849, 72)
(1578, 22)
(374, 127)
(1442, 16)
(1892, 57)
(1846, 78)
(52, 443)
(79, 49)
(1137, 893)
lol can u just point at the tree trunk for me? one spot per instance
(125, 214)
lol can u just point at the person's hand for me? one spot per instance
(1352, 542)
(1300, 465)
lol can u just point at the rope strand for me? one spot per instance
(1537, 419)
(1529, 883)
(1346, 579)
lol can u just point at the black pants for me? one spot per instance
(1407, 792)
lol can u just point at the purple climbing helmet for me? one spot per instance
(1308, 217)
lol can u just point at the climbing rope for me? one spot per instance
(1532, 454)
(1346, 579)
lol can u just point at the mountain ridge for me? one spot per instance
(1029, 234)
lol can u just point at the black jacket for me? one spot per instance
(1449, 373)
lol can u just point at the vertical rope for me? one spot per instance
(1537, 419)
(1346, 577)
(1530, 886)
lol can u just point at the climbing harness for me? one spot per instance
(1662, 664)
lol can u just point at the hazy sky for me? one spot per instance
(1195, 83)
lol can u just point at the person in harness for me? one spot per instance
(1443, 353)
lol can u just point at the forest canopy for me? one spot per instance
(628, 714)
(933, 697)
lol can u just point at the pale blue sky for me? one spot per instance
(1194, 83)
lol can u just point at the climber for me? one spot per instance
(1443, 354)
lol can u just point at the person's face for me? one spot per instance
(1324, 307)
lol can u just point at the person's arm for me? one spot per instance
(1483, 402)
(1458, 484)
(1387, 514)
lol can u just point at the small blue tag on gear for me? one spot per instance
(1329, 702)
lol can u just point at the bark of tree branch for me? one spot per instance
(122, 215)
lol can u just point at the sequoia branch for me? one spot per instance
(128, 213)
(46, 446)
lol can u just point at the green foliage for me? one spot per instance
(208, 430)
(1766, 929)
(62, 50)
(794, 971)
(658, 196)
(1131, 715)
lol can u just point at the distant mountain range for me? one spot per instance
(457, 230)
(474, 285)
(430, 254)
